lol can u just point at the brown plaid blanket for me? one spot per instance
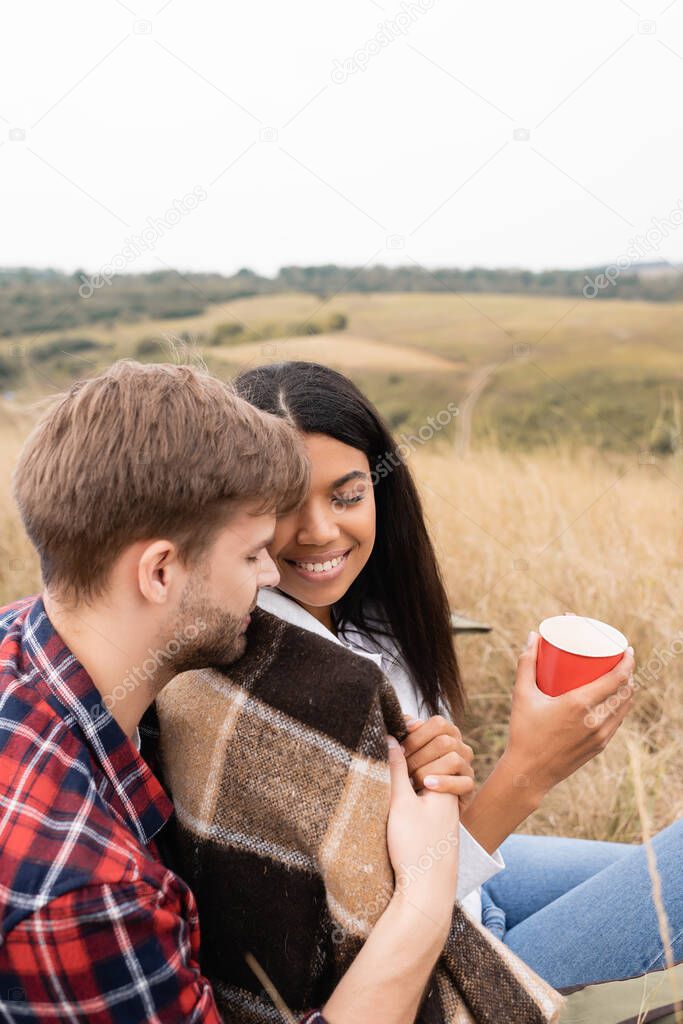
(278, 770)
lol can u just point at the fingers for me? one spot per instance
(616, 706)
(401, 786)
(443, 746)
(526, 666)
(611, 729)
(605, 719)
(611, 683)
(421, 734)
(451, 766)
(603, 733)
(456, 785)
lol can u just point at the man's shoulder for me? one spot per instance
(13, 672)
(11, 615)
(14, 608)
(61, 836)
(59, 832)
(115, 896)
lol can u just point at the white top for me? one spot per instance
(476, 865)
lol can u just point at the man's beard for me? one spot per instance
(206, 634)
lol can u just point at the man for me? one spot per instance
(150, 494)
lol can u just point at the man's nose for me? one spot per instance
(269, 575)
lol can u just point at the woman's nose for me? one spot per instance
(318, 528)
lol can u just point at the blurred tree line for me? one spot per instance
(44, 300)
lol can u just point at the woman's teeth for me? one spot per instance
(321, 566)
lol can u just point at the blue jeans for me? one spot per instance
(579, 911)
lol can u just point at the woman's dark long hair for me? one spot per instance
(401, 577)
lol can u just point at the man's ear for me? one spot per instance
(159, 568)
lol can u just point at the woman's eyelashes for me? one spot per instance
(348, 499)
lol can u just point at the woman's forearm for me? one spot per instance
(501, 805)
(548, 739)
(387, 980)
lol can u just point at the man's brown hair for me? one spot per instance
(143, 452)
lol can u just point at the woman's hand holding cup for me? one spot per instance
(551, 736)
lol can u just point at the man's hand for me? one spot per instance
(387, 980)
(419, 824)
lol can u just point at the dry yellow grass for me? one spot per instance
(521, 537)
(345, 352)
(524, 537)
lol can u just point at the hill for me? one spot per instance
(529, 370)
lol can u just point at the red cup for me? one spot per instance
(574, 650)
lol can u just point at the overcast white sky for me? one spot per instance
(112, 111)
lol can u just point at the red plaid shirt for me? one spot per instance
(93, 927)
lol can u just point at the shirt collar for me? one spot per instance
(277, 603)
(137, 795)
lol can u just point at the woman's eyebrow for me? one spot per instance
(355, 474)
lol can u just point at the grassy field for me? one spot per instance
(567, 370)
(525, 536)
(542, 494)
(521, 536)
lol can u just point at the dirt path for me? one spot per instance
(477, 384)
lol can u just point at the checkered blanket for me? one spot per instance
(278, 770)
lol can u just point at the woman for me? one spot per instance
(356, 566)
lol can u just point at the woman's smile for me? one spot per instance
(319, 568)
